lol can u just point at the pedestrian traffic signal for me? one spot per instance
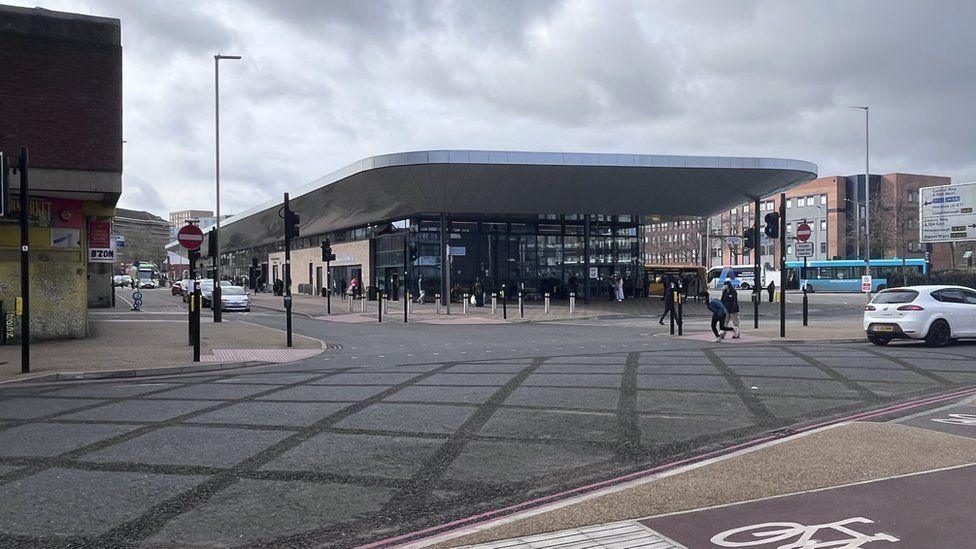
(772, 225)
(413, 253)
(327, 254)
(747, 241)
(291, 224)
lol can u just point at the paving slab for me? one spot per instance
(430, 393)
(573, 380)
(284, 414)
(358, 455)
(252, 511)
(327, 393)
(52, 439)
(552, 425)
(214, 391)
(32, 407)
(107, 390)
(189, 445)
(564, 397)
(416, 418)
(66, 502)
(501, 462)
(141, 410)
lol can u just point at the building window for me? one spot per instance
(789, 249)
(823, 199)
(823, 248)
(913, 196)
(823, 226)
(810, 200)
(789, 228)
(789, 202)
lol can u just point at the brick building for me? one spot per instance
(62, 99)
(829, 206)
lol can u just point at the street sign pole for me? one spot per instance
(805, 312)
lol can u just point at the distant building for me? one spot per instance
(144, 237)
(179, 218)
(829, 205)
(61, 97)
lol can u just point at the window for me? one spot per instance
(789, 228)
(896, 296)
(823, 199)
(823, 248)
(789, 249)
(823, 226)
(969, 296)
(913, 196)
(789, 202)
(949, 295)
(810, 200)
(842, 273)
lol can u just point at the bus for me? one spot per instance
(844, 275)
(144, 275)
(694, 275)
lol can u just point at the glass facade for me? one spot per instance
(539, 254)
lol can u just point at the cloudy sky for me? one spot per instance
(326, 82)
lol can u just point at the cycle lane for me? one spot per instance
(929, 509)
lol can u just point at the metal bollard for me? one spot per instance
(379, 308)
(572, 303)
(547, 302)
(363, 303)
(349, 300)
(406, 306)
(437, 304)
(494, 303)
(521, 305)
(806, 314)
(681, 313)
(385, 299)
(464, 304)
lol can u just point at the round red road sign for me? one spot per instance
(803, 232)
(190, 237)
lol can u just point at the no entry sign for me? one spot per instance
(803, 232)
(190, 237)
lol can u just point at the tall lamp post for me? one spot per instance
(216, 239)
(867, 196)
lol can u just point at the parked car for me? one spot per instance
(937, 314)
(122, 280)
(178, 288)
(234, 298)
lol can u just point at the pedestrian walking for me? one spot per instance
(730, 298)
(420, 289)
(479, 293)
(719, 315)
(620, 288)
(772, 290)
(668, 298)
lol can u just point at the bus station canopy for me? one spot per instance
(397, 186)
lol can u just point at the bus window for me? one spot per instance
(842, 273)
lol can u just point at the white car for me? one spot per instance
(937, 314)
(234, 298)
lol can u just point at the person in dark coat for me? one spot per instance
(730, 298)
(668, 298)
(719, 314)
(772, 290)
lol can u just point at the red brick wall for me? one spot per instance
(61, 90)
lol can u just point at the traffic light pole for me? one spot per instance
(24, 264)
(216, 304)
(757, 270)
(406, 274)
(782, 265)
(287, 269)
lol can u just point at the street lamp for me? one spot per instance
(216, 304)
(867, 195)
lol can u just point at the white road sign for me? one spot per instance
(866, 283)
(804, 249)
(946, 213)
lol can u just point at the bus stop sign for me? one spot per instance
(190, 237)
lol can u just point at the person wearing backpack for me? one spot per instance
(730, 298)
(719, 314)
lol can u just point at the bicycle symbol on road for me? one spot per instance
(958, 419)
(802, 536)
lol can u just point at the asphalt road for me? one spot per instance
(407, 425)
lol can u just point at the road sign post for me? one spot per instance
(191, 238)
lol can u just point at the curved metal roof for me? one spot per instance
(395, 186)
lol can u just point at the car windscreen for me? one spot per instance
(232, 290)
(895, 296)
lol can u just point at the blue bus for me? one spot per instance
(844, 275)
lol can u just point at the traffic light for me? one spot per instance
(413, 252)
(4, 187)
(327, 254)
(747, 240)
(772, 225)
(291, 224)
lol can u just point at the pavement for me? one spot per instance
(154, 338)
(402, 427)
(898, 482)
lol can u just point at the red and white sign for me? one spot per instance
(803, 232)
(190, 237)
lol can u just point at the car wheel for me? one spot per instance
(940, 334)
(879, 340)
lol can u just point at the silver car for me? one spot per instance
(234, 298)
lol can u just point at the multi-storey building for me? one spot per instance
(833, 207)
